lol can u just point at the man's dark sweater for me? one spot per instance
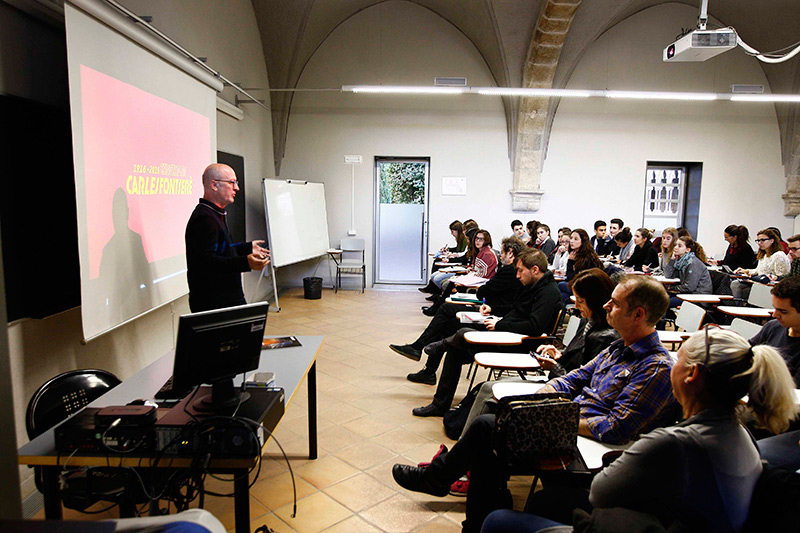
(502, 289)
(534, 311)
(214, 263)
(777, 336)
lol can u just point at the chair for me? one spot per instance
(521, 363)
(690, 318)
(745, 328)
(55, 401)
(572, 328)
(720, 283)
(352, 262)
(760, 296)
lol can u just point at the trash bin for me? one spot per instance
(312, 288)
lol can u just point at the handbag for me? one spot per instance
(536, 431)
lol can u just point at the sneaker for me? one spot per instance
(442, 449)
(406, 350)
(460, 486)
(423, 376)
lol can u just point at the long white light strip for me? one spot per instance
(510, 91)
(659, 95)
(570, 93)
(765, 98)
(399, 89)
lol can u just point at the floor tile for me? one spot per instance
(359, 492)
(398, 514)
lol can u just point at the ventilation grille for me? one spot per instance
(450, 82)
(740, 88)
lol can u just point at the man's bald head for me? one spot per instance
(220, 184)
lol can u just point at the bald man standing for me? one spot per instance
(215, 264)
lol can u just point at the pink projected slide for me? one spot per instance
(143, 152)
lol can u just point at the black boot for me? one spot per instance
(430, 288)
(421, 479)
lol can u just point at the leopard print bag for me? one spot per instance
(536, 431)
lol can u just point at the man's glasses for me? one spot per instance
(792, 248)
(708, 343)
(234, 183)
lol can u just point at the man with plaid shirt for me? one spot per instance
(623, 392)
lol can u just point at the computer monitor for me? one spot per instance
(215, 346)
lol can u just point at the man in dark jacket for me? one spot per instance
(534, 312)
(214, 263)
(499, 292)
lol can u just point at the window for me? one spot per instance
(672, 195)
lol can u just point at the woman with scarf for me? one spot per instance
(685, 265)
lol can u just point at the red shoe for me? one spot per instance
(442, 449)
(459, 487)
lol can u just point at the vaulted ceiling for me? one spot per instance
(503, 32)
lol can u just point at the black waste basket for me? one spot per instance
(312, 288)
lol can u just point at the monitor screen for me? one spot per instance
(215, 346)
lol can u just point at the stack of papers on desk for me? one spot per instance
(469, 280)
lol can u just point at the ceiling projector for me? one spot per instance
(699, 45)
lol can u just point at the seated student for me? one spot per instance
(483, 264)
(561, 253)
(581, 257)
(623, 392)
(772, 263)
(625, 244)
(518, 231)
(700, 474)
(693, 274)
(544, 242)
(784, 244)
(615, 225)
(738, 254)
(592, 289)
(457, 231)
(499, 292)
(435, 284)
(600, 241)
(534, 312)
(794, 256)
(532, 226)
(783, 331)
(644, 254)
(668, 239)
(783, 334)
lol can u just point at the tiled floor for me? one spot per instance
(365, 425)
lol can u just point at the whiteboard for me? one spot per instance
(297, 220)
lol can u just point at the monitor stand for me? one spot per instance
(224, 396)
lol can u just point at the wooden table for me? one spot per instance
(290, 366)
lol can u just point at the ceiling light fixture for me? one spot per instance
(570, 93)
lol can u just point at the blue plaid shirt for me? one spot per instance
(623, 390)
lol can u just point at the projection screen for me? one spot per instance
(143, 131)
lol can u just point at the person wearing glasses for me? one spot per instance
(794, 256)
(772, 263)
(214, 262)
(699, 474)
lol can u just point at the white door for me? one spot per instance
(401, 225)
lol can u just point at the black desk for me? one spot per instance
(290, 366)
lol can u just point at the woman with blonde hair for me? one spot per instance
(668, 239)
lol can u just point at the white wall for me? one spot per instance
(598, 151)
(224, 31)
(398, 43)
